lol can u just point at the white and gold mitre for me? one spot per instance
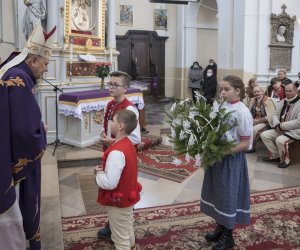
(39, 43)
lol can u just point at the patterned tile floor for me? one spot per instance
(158, 191)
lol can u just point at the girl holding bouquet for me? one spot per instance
(225, 192)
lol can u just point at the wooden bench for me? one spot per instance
(294, 150)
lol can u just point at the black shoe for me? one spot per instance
(104, 233)
(144, 131)
(250, 151)
(267, 159)
(225, 242)
(283, 164)
(214, 235)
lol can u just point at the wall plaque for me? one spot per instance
(282, 36)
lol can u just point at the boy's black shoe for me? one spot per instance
(104, 233)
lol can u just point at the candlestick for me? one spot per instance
(110, 56)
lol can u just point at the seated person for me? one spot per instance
(275, 90)
(286, 123)
(249, 91)
(261, 108)
(281, 75)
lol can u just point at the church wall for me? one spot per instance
(7, 31)
(143, 12)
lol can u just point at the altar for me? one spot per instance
(83, 114)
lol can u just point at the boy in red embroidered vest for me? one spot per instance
(119, 189)
(118, 85)
(117, 88)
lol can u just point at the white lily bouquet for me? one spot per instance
(201, 131)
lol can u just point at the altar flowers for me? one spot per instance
(200, 131)
(102, 71)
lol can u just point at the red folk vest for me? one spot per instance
(127, 192)
(112, 107)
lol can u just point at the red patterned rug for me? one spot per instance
(157, 159)
(275, 220)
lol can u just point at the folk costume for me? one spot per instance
(111, 108)
(261, 110)
(225, 192)
(119, 190)
(287, 119)
(22, 144)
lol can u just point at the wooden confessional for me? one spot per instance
(142, 55)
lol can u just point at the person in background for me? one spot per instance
(281, 75)
(249, 91)
(209, 87)
(275, 90)
(117, 88)
(22, 143)
(195, 79)
(298, 81)
(225, 194)
(119, 189)
(286, 123)
(261, 108)
(211, 65)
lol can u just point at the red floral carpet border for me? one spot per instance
(275, 220)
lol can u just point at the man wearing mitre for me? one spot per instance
(22, 143)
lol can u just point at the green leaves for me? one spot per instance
(201, 130)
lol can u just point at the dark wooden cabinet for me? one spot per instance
(142, 55)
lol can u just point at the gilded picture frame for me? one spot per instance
(85, 25)
(126, 14)
(160, 19)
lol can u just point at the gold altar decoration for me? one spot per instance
(85, 25)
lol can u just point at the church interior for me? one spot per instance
(155, 42)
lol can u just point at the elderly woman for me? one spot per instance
(281, 75)
(261, 108)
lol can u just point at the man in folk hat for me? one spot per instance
(23, 141)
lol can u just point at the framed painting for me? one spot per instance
(160, 19)
(126, 15)
(85, 24)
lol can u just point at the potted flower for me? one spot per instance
(102, 71)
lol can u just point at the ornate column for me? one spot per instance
(111, 34)
(52, 17)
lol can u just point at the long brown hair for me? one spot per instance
(236, 83)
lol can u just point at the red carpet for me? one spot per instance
(275, 220)
(157, 159)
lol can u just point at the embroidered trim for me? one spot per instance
(13, 82)
(20, 165)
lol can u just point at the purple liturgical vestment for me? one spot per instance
(22, 143)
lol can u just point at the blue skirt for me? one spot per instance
(225, 192)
